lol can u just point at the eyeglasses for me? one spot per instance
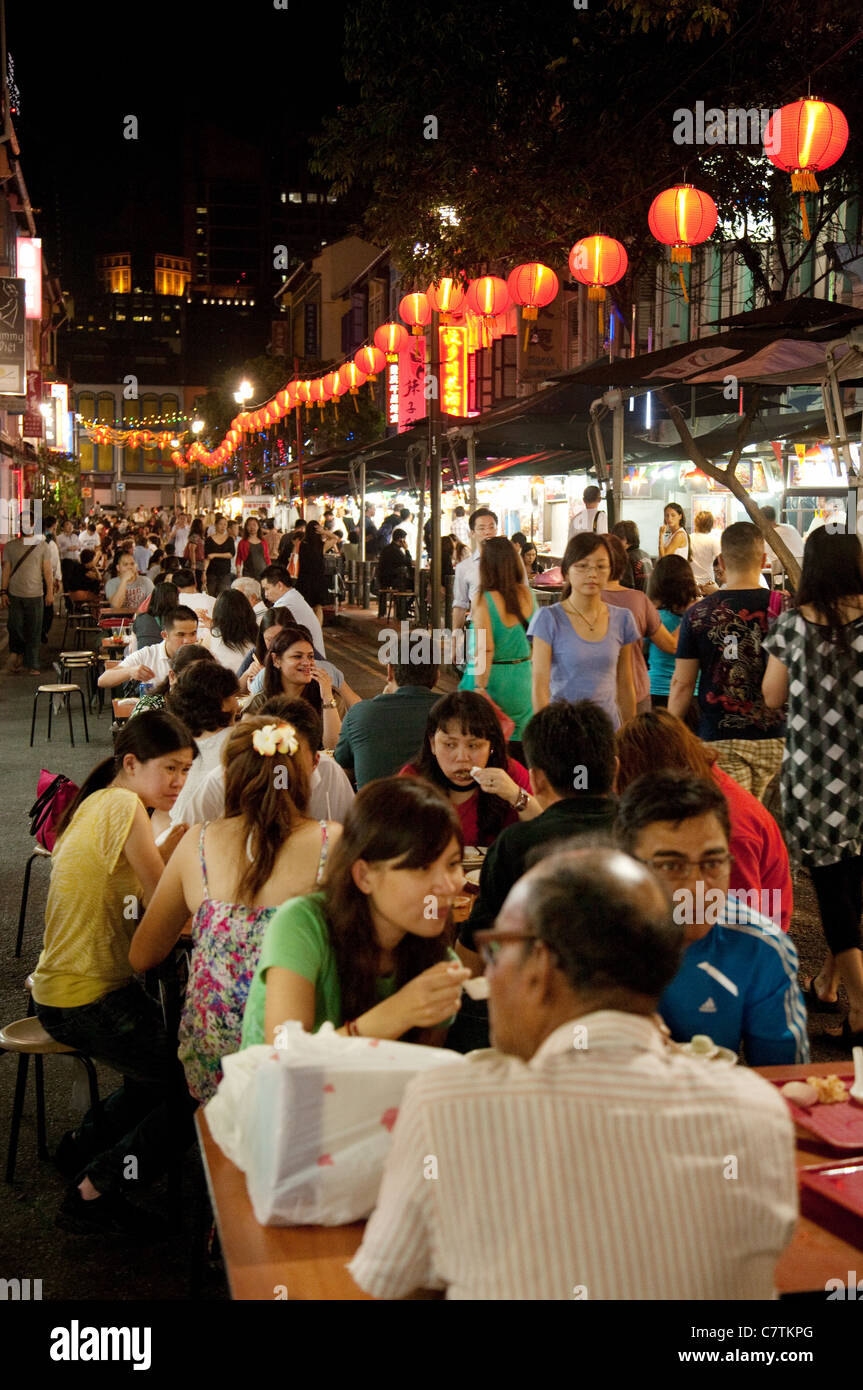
(592, 569)
(711, 866)
(489, 943)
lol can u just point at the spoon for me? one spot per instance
(856, 1092)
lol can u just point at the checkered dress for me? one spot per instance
(822, 787)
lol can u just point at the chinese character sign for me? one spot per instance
(412, 403)
(453, 357)
(392, 393)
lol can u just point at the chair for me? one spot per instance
(28, 1038)
(38, 853)
(399, 603)
(122, 709)
(80, 616)
(81, 661)
(66, 692)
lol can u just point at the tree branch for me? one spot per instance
(727, 477)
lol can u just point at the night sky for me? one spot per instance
(81, 69)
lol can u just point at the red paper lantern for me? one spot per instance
(304, 391)
(320, 391)
(352, 377)
(391, 338)
(806, 136)
(445, 296)
(333, 381)
(598, 261)
(681, 217)
(532, 286)
(488, 296)
(370, 361)
(415, 310)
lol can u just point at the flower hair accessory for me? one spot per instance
(275, 738)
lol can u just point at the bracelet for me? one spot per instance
(523, 799)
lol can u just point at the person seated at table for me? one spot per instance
(83, 576)
(330, 792)
(251, 672)
(206, 697)
(233, 631)
(570, 757)
(104, 861)
(571, 760)
(125, 588)
(738, 979)
(292, 669)
(760, 868)
(564, 1159)
(464, 754)
(231, 875)
(377, 735)
(151, 663)
(177, 665)
(278, 589)
(369, 953)
(147, 627)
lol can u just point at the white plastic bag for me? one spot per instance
(309, 1121)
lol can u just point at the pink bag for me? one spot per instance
(54, 794)
(549, 579)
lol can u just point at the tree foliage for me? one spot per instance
(550, 123)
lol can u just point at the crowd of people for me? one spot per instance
(605, 757)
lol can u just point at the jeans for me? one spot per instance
(143, 1127)
(25, 629)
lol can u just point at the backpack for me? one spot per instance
(53, 795)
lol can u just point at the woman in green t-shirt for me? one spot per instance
(371, 952)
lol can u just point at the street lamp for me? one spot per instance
(197, 426)
(245, 393)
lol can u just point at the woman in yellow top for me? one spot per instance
(104, 863)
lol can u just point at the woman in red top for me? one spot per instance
(464, 753)
(253, 556)
(659, 741)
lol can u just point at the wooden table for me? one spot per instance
(310, 1261)
(828, 1240)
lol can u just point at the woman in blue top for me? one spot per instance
(581, 646)
(673, 589)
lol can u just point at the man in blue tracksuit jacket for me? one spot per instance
(738, 979)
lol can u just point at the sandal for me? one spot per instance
(814, 1002)
(846, 1038)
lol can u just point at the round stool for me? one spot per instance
(66, 692)
(28, 1038)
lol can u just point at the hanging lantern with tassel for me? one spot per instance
(446, 297)
(392, 339)
(598, 261)
(681, 217)
(532, 286)
(415, 310)
(802, 138)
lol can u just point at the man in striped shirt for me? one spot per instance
(585, 1158)
(738, 979)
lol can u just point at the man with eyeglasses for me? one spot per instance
(584, 1157)
(738, 979)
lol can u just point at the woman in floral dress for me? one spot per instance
(230, 875)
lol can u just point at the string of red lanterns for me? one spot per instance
(800, 139)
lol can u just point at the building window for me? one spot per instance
(311, 197)
(295, 197)
(283, 197)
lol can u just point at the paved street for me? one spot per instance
(70, 1266)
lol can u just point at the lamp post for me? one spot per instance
(243, 394)
(197, 426)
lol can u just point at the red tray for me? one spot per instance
(839, 1125)
(838, 1182)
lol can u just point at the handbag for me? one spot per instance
(53, 794)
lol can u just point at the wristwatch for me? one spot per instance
(523, 799)
(329, 704)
